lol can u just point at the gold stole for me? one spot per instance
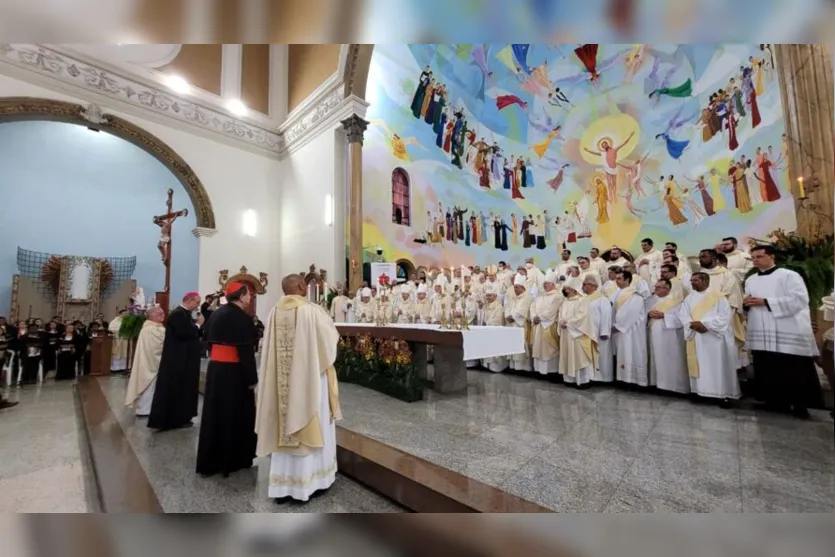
(588, 345)
(704, 305)
(738, 326)
(552, 334)
(666, 304)
(624, 296)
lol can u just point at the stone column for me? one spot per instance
(355, 127)
(806, 88)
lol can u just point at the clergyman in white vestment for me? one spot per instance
(298, 399)
(649, 262)
(578, 350)
(517, 313)
(600, 309)
(709, 341)
(739, 262)
(667, 357)
(340, 305)
(143, 376)
(545, 310)
(493, 315)
(631, 333)
(780, 336)
(119, 357)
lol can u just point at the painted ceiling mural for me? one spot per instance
(480, 153)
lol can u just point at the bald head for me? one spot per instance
(293, 285)
(155, 314)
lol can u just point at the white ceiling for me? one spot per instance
(143, 55)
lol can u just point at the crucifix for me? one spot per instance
(164, 222)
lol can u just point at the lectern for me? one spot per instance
(101, 353)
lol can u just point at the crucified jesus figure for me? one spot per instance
(164, 222)
(608, 154)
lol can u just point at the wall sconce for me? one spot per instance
(250, 223)
(328, 210)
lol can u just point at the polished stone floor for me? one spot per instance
(168, 461)
(40, 450)
(607, 450)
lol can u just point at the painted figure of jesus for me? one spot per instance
(165, 236)
(608, 154)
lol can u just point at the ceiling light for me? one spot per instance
(236, 107)
(177, 84)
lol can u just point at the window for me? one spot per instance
(400, 206)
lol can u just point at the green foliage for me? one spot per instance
(382, 365)
(329, 298)
(812, 260)
(130, 326)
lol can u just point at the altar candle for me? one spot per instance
(317, 291)
(800, 189)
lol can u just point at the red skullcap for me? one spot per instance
(234, 287)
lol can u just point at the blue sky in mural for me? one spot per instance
(508, 97)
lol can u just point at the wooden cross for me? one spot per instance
(164, 222)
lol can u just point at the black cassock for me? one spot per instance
(227, 425)
(65, 358)
(31, 350)
(178, 380)
(50, 345)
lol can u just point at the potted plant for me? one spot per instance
(130, 327)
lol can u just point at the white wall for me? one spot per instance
(316, 170)
(235, 180)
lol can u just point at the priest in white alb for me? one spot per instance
(780, 337)
(404, 312)
(365, 310)
(640, 285)
(631, 333)
(705, 316)
(726, 283)
(649, 262)
(119, 355)
(739, 262)
(341, 305)
(422, 307)
(493, 316)
(616, 258)
(601, 314)
(667, 357)
(517, 307)
(143, 376)
(578, 347)
(610, 287)
(298, 398)
(544, 315)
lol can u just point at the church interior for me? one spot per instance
(136, 174)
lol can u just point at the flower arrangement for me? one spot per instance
(811, 259)
(384, 365)
(132, 321)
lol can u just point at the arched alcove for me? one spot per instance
(30, 108)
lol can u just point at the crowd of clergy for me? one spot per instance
(652, 321)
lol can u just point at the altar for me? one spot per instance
(452, 347)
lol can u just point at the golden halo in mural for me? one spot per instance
(607, 140)
(614, 128)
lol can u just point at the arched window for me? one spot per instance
(400, 207)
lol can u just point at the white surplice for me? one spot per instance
(784, 325)
(578, 351)
(631, 337)
(518, 308)
(711, 356)
(298, 399)
(667, 356)
(601, 314)
(143, 376)
(642, 287)
(119, 357)
(545, 341)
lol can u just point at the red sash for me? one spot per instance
(225, 354)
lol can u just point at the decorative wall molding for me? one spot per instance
(203, 232)
(331, 102)
(87, 77)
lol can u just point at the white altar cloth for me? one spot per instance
(479, 342)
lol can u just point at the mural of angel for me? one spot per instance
(547, 126)
(555, 182)
(398, 144)
(634, 174)
(675, 148)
